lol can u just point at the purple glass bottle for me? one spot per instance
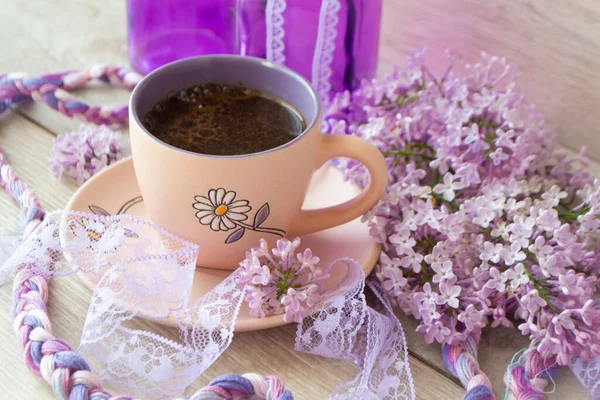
(333, 43)
(161, 31)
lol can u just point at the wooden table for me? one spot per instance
(43, 36)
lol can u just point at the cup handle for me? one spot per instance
(333, 146)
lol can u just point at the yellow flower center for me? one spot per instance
(93, 235)
(222, 209)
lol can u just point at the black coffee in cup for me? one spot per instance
(223, 119)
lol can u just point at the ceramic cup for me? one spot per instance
(225, 204)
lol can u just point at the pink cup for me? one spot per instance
(225, 204)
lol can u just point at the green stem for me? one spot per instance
(284, 283)
(572, 215)
(569, 215)
(542, 291)
(436, 178)
(490, 132)
(421, 146)
(405, 153)
(403, 101)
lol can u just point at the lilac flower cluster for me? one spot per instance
(483, 222)
(281, 281)
(84, 152)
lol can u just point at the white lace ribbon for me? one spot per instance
(324, 49)
(275, 32)
(588, 373)
(327, 31)
(145, 271)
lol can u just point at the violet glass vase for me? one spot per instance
(161, 31)
(333, 43)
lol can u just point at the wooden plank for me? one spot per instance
(27, 149)
(269, 352)
(43, 39)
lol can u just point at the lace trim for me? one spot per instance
(146, 271)
(275, 31)
(323, 57)
(345, 328)
(588, 373)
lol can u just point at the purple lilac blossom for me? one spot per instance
(484, 222)
(282, 281)
(80, 154)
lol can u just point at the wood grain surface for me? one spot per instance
(555, 44)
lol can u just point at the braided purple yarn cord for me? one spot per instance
(53, 359)
(526, 379)
(31, 209)
(52, 90)
(461, 362)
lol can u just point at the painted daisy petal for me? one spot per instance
(229, 197)
(240, 209)
(237, 216)
(212, 195)
(203, 213)
(202, 207)
(238, 203)
(97, 227)
(227, 222)
(223, 227)
(220, 195)
(207, 219)
(215, 224)
(203, 200)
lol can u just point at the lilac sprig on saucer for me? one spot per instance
(281, 281)
(484, 222)
(80, 154)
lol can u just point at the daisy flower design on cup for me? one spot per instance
(222, 212)
(95, 231)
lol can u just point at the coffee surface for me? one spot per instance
(223, 119)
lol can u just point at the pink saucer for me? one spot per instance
(115, 191)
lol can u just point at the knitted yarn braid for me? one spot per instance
(53, 359)
(52, 90)
(461, 362)
(527, 378)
